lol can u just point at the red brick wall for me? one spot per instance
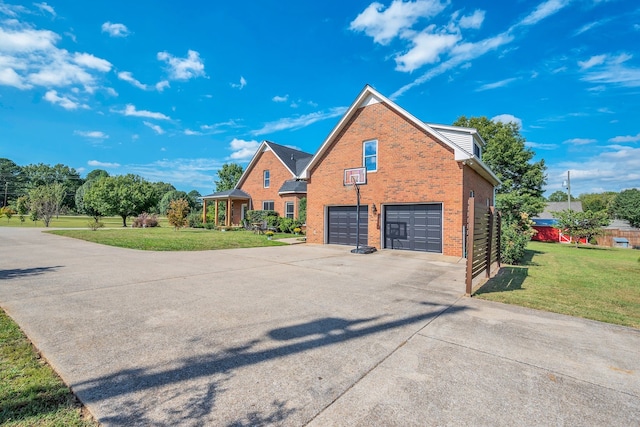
(254, 184)
(413, 167)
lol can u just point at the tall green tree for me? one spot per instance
(122, 195)
(96, 174)
(228, 176)
(40, 174)
(170, 196)
(11, 181)
(596, 202)
(626, 206)
(558, 196)
(508, 157)
(45, 201)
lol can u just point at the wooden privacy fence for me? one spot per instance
(607, 238)
(483, 243)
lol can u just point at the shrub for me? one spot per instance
(288, 225)
(195, 220)
(512, 243)
(177, 213)
(144, 220)
(258, 216)
(95, 224)
(210, 225)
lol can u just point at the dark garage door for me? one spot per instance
(414, 227)
(343, 225)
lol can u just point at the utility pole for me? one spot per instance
(567, 185)
(6, 187)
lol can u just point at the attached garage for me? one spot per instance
(343, 225)
(416, 227)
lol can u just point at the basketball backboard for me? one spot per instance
(355, 176)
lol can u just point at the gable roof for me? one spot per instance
(292, 159)
(370, 96)
(552, 207)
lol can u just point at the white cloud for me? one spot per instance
(12, 10)
(280, 98)
(626, 138)
(580, 141)
(219, 127)
(115, 30)
(98, 164)
(472, 21)
(541, 145)
(157, 129)
(8, 77)
(91, 61)
(63, 101)
(426, 49)
(508, 118)
(127, 76)
(190, 132)
(242, 150)
(45, 8)
(94, 134)
(183, 68)
(609, 69)
(162, 85)
(386, 24)
(495, 85)
(240, 85)
(543, 11)
(130, 110)
(183, 173)
(300, 121)
(592, 62)
(27, 40)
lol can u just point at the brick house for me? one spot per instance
(418, 181)
(271, 181)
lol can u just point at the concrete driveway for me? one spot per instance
(305, 334)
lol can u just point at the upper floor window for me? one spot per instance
(266, 175)
(477, 151)
(370, 155)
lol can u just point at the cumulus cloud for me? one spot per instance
(89, 61)
(280, 98)
(98, 164)
(240, 85)
(162, 85)
(474, 20)
(65, 102)
(508, 118)
(45, 8)
(626, 138)
(94, 134)
(299, 122)
(426, 49)
(183, 68)
(157, 129)
(128, 77)
(130, 110)
(242, 149)
(115, 30)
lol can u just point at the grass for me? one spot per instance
(591, 282)
(168, 239)
(70, 221)
(31, 394)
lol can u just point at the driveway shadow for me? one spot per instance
(17, 273)
(212, 369)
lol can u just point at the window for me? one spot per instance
(288, 209)
(477, 151)
(370, 155)
(266, 178)
(268, 205)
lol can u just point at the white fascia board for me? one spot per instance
(251, 164)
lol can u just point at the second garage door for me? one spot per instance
(343, 225)
(414, 227)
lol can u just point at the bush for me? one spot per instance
(195, 220)
(287, 225)
(258, 216)
(95, 224)
(512, 243)
(210, 225)
(144, 220)
(177, 213)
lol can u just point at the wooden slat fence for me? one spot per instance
(607, 238)
(483, 242)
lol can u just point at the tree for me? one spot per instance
(581, 225)
(170, 196)
(96, 174)
(123, 195)
(45, 201)
(228, 176)
(195, 195)
(177, 213)
(11, 181)
(558, 196)
(598, 201)
(626, 205)
(37, 175)
(22, 207)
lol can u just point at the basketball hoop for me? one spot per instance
(355, 177)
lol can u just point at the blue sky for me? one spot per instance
(173, 90)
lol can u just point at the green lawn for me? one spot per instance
(592, 282)
(168, 239)
(31, 394)
(71, 221)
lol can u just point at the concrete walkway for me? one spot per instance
(305, 335)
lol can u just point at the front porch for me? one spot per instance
(235, 201)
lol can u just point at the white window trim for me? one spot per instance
(293, 210)
(364, 156)
(266, 182)
(268, 201)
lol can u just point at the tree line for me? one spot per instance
(623, 205)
